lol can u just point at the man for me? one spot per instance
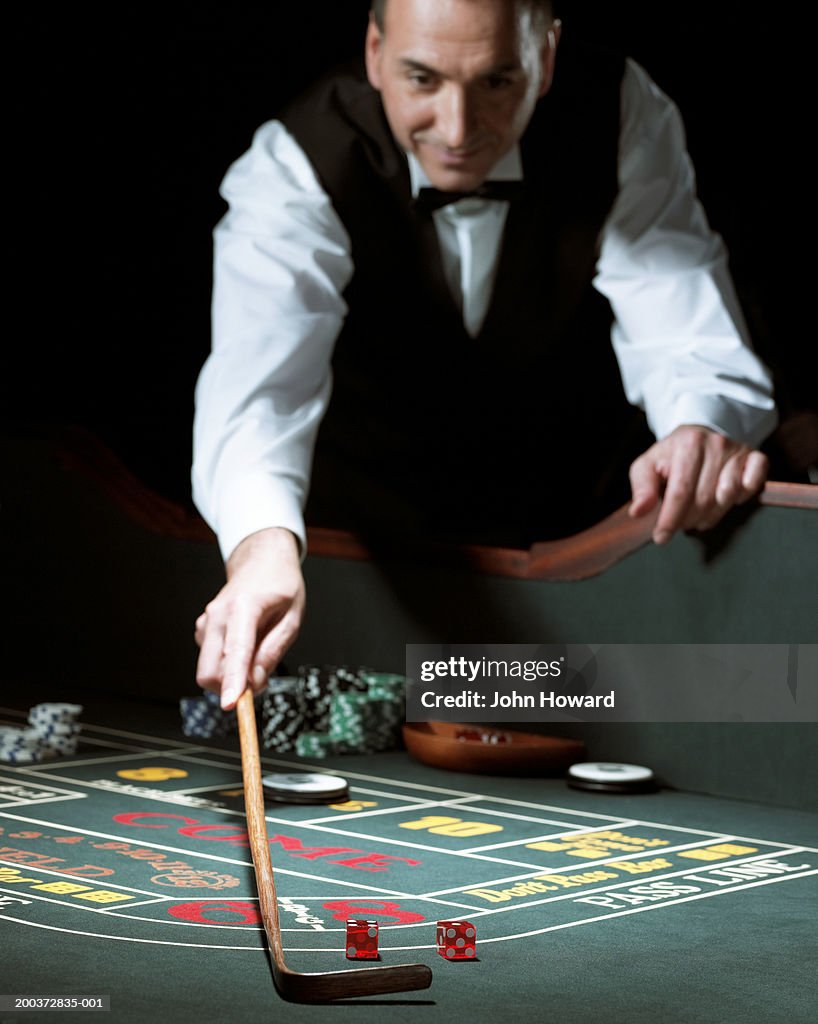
(467, 336)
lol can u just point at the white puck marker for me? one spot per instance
(610, 771)
(306, 785)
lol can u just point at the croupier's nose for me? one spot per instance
(455, 117)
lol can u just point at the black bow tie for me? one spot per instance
(430, 199)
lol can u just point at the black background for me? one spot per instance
(123, 121)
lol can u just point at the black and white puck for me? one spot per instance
(611, 777)
(304, 788)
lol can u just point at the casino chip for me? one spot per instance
(204, 718)
(53, 731)
(284, 713)
(304, 788)
(611, 777)
(330, 710)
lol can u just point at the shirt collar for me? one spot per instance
(508, 168)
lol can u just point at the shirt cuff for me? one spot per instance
(254, 503)
(748, 424)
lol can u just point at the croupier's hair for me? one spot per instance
(541, 12)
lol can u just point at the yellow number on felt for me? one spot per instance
(62, 888)
(354, 805)
(152, 773)
(451, 826)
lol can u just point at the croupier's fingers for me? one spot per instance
(239, 650)
(646, 482)
(741, 476)
(680, 491)
(756, 468)
(279, 637)
(210, 637)
(274, 646)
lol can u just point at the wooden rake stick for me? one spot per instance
(319, 986)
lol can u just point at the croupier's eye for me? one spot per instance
(422, 79)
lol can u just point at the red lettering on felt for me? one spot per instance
(296, 848)
(87, 871)
(133, 818)
(198, 912)
(28, 857)
(238, 837)
(377, 909)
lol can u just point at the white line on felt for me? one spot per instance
(119, 911)
(193, 790)
(416, 802)
(506, 801)
(400, 784)
(653, 851)
(195, 924)
(333, 830)
(45, 800)
(167, 796)
(138, 840)
(357, 815)
(131, 938)
(183, 852)
(92, 883)
(502, 938)
(132, 755)
(585, 830)
(406, 844)
(626, 883)
(72, 904)
(620, 823)
(23, 783)
(112, 911)
(653, 906)
(317, 822)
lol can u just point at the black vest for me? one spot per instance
(522, 432)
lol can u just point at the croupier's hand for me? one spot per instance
(246, 629)
(697, 475)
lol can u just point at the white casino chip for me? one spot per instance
(610, 771)
(611, 777)
(304, 785)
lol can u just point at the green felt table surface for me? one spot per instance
(125, 871)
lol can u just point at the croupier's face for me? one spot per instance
(459, 80)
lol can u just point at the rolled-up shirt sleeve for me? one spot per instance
(679, 334)
(281, 263)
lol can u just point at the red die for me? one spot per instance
(362, 939)
(456, 940)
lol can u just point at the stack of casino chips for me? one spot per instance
(53, 731)
(333, 710)
(316, 713)
(203, 717)
(284, 713)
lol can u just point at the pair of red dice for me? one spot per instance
(456, 940)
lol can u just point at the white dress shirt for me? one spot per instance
(282, 262)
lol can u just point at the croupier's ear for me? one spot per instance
(548, 55)
(373, 52)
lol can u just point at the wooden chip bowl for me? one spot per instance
(489, 750)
